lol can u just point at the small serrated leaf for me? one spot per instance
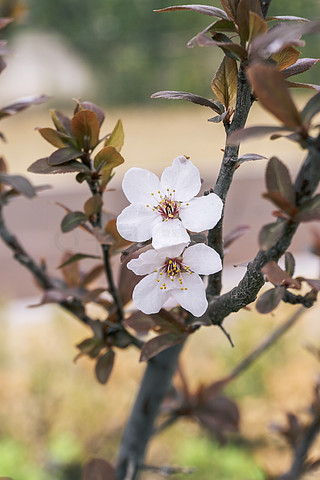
(224, 83)
(104, 366)
(42, 166)
(63, 155)
(116, 138)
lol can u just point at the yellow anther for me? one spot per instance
(156, 270)
(148, 206)
(158, 280)
(164, 284)
(187, 204)
(186, 289)
(160, 273)
(170, 261)
(181, 288)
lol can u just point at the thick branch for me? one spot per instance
(248, 288)
(155, 385)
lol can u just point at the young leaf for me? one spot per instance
(42, 166)
(116, 139)
(70, 270)
(277, 276)
(234, 49)
(246, 134)
(18, 183)
(94, 108)
(270, 299)
(63, 155)
(281, 202)
(290, 263)
(160, 343)
(218, 118)
(278, 180)
(300, 66)
(203, 9)
(270, 88)
(244, 9)
(270, 234)
(309, 211)
(76, 257)
(98, 469)
(311, 108)
(309, 86)
(72, 220)
(190, 97)
(21, 104)
(249, 157)
(257, 26)
(104, 366)
(53, 137)
(286, 57)
(230, 6)
(224, 83)
(93, 205)
(61, 122)
(105, 161)
(86, 128)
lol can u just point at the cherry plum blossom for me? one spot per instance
(164, 209)
(174, 272)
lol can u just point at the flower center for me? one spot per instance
(172, 269)
(168, 208)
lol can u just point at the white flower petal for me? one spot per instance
(135, 222)
(201, 213)
(202, 259)
(147, 295)
(146, 263)
(172, 251)
(183, 177)
(194, 298)
(168, 233)
(138, 184)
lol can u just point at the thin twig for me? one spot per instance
(112, 286)
(265, 345)
(301, 451)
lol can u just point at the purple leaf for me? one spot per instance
(190, 97)
(18, 183)
(203, 9)
(21, 104)
(311, 108)
(104, 366)
(42, 166)
(300, 66)
(245, 134)
(270, 299)
(204, 41)
(63, 155)
(160, 343)
(278, 179)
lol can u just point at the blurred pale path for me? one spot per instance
(153, 138)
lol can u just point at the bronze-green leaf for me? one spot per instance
(104, 162)
(42, 166)
(286, 57)
(224, 83)
(86, 128)
(270, 234)
(63, 155)
(272, 92)
(310, 210)
(61, 122)
(53, 137)
(72, 220)
(116, 138)
(93, 205)
(257, 25)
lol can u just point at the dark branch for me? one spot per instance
(248, 288)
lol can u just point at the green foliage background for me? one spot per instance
(134, 52)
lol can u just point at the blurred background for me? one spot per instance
(53, 413)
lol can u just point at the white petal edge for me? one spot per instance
(183, 177)
(172, 251)
(168, 233)
(136, 222)
(201, 213)
(138, 184)
(202, 259)
(194, 298)
(147, 295)
(146, 263)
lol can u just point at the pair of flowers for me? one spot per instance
(165, 210)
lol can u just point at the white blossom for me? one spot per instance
(165, 209)
(174, 272)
